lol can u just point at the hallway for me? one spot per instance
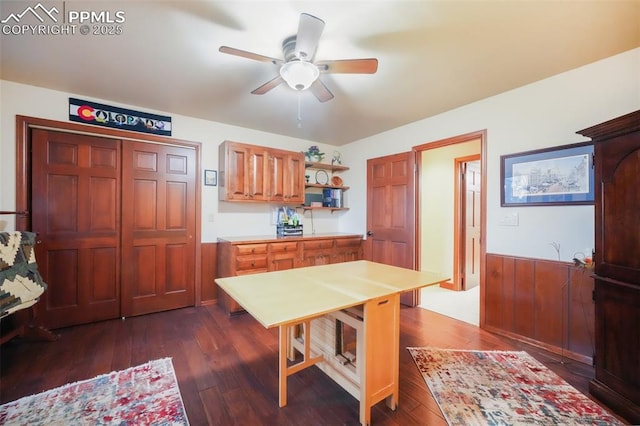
(460, 305)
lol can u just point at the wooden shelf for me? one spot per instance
(318, 185)
(323, 166)
(324, 208)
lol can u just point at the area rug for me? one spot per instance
(144, 395)
(503, 388)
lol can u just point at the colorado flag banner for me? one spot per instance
(119, 118)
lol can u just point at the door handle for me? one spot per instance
(369, 233)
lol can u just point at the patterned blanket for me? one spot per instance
(20, 282)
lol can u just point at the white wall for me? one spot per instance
(543, 114)
(437, 204)
(218, 218)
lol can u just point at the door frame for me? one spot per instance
(23, 170)
(418, 149)
(459, 230)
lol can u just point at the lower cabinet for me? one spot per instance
(317, 252)
(237, 257)
(283, 255)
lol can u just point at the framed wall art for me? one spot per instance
(210, 177)
(552, 176)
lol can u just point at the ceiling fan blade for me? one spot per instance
(309, 32)
(268, 86)
(321, 91)
(349, 66)
(249, 55)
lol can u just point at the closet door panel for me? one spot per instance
(75, 211)
(158, 228)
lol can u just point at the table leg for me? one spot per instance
(282, 370)
(285, 349)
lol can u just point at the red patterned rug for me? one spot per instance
(503, 388)
(144, 395)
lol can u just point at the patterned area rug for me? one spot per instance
(503, 388)
(144, 395)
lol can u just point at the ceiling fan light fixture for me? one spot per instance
(299, 75)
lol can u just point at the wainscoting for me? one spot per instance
(209, 270)
(541, 302)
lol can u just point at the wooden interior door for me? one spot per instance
(471, 225)
(75, 199)
(391, 214)
(158, 227)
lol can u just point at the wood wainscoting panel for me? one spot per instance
(522, 284)
(551, 305)
(542, 302)
(581, 316)
(493, 292)
(209, 266)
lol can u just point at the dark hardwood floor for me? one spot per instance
(227, 366)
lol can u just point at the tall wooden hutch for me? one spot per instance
(617, 264)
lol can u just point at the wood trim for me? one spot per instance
(458, 218)
(482, 136)
(483, 221)
(23, 169)
(23, 173)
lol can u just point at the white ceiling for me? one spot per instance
(433, 56)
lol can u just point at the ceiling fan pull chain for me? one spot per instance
(300, 109)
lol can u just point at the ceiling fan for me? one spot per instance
(298, 68)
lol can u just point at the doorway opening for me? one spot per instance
(451, 220)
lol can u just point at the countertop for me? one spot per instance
(275, 238)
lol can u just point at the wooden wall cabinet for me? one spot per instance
(277, 254)
(287, 176)
(617, 264)
(260, 174)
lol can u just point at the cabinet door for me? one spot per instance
(317, 252)
(234, 162)
(347, 250)
(258, 167)
(617, 202)
(277, 176)
(244, 171)
(295, 181)
(283, 256)
(286, 176)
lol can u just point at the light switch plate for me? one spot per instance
(510, 219)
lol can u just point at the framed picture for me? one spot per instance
(553, 176)
(210, 177)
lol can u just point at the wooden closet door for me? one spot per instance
(158, 227)
(75, 201)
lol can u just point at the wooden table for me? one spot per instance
(326, 301)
